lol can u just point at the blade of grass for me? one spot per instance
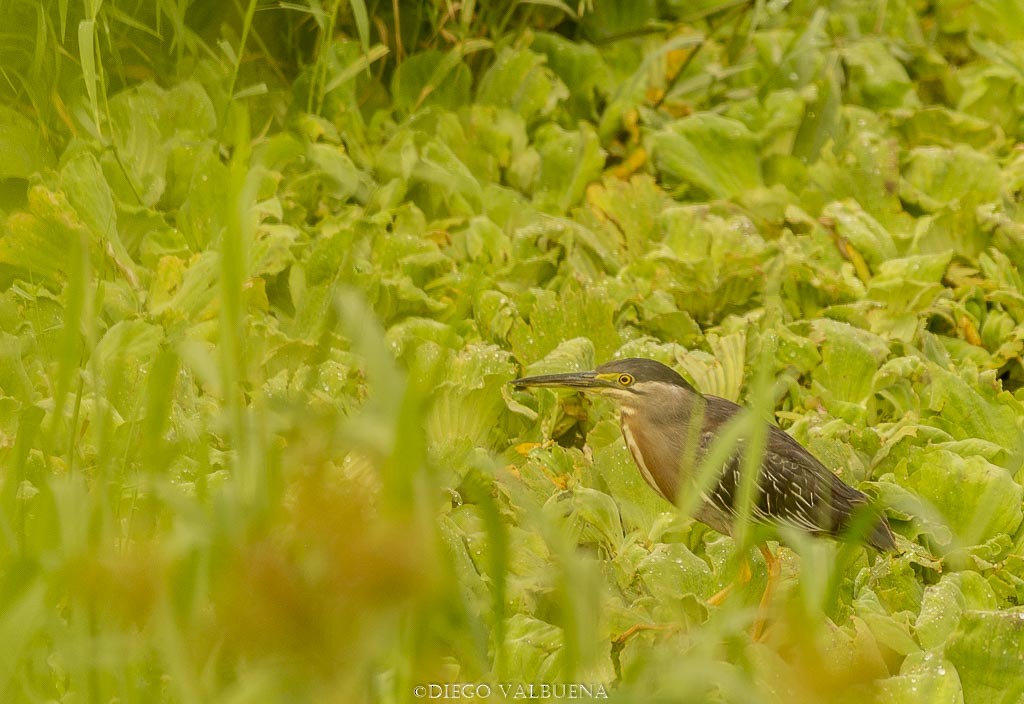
(237, 62)
(362, 63)
(235, 245)
(87, 55)
(451, 59)
(362, 22)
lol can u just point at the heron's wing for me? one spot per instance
(793, 487)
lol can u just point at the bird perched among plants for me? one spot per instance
(669, 427)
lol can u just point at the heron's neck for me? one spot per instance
(657, 435)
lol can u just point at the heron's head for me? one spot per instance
(631, 382)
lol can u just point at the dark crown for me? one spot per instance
(645, 370)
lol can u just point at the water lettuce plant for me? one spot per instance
(266, 270)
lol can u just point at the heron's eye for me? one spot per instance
(625, 379)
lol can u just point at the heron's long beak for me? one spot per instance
(574, 380)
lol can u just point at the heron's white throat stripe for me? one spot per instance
(638, 457)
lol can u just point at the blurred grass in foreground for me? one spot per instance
(266, 270)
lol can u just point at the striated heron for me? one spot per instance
(659, 412)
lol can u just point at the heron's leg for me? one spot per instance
(619, 642)
(741, 579)
(772, 563)
(774, 569)
(621, 639)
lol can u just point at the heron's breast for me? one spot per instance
(658, 464)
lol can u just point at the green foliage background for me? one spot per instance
(267, 268)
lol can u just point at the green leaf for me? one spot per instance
(495, 133)
(467, 410)
(494, 314)
(960, 177)
(580, 67)
(671, 571)
(992, 93)
(937, 125)
(533, 648)
(573, 355)
(619, 17)
(849, 359)
(591, 516)
(519, 80)
(884, 626)
(481, 240)
(716, 154)
(24, 149)
(431, 78)
(720, 373)
(634, 207)
(569, 162)
(978, 500)
(975, 410)
(944, 603)
(925, 268)
(138, 174)
(955, 230)
(555, 319)
(712, 263)
(184, 290)
(796, 351)
(987, 651)
(863, 166)
(923, 677)
(866, 234)
(36, 245)
(660, 315)
(122, 359)
(451, 185)
(876, 79)
(271, 252)
(822, 117)
(14, 379)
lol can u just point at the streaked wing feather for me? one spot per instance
(794, 488)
